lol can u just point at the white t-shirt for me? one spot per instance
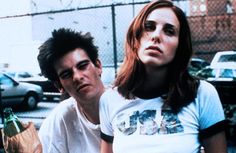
(141, 126)
(66, 130)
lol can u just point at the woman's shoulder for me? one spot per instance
(207, 91)
(206, 86)
(111, 91)
(111, 96)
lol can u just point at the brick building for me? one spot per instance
(213, 26)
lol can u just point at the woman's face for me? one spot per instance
(160, 38)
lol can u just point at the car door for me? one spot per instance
(10, 92)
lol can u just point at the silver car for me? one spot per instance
(24, 95)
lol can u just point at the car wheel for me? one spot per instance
(31, 101)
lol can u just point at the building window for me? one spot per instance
(194, 8)
(229, 7)
(203, 8)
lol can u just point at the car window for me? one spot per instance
(226, 73)
(207, 73)
(196, 64)
(24, 75)
(5, 80)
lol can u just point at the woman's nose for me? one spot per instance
(156, 36)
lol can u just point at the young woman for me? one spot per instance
(156, 106)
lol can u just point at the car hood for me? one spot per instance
(33, 79)
(30, 86)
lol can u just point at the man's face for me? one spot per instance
(79, 76)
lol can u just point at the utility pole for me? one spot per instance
(133, 8)
(1, 106)
(114, 36)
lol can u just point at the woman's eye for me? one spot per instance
(170, 30)
(149, 26)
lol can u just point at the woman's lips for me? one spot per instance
(155, 48)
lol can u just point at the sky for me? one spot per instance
(20, 37)
(14, 33)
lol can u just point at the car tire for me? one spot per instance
(31, 101)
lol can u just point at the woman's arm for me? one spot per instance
(106, 147)
(215, 144)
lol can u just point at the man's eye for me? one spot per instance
(65, 75)
(83, 65)
(149, 26)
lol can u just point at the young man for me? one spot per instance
(70, 60)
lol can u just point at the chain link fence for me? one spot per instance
(212, 23)
(214, 30)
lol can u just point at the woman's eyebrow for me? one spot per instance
(169, 25)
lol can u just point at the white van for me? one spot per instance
(224, 58)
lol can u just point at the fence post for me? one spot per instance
(114, 36)
(1, 106)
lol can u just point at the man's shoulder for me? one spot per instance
(63, 109)
(70, 102)
(64, 106)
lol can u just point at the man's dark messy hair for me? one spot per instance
(64, 41)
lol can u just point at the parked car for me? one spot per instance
(224, 57)
(50, 92)
(197, 64)
(20, 75)
(224, 80)
(14, 93)
(222, 73)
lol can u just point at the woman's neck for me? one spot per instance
(154, 85)
(156, 78)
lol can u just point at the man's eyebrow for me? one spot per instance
(83, 61)
(77, 64)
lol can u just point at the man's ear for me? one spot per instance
(58, 85)
(99, 66)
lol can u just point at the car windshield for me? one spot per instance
(20, 74)
(227, 58)
(11, 74)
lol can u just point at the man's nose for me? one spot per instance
(77, 75)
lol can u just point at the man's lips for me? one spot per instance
(155, 48)
(81, 87)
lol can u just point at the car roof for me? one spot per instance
(224, 65)
(220, 54)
